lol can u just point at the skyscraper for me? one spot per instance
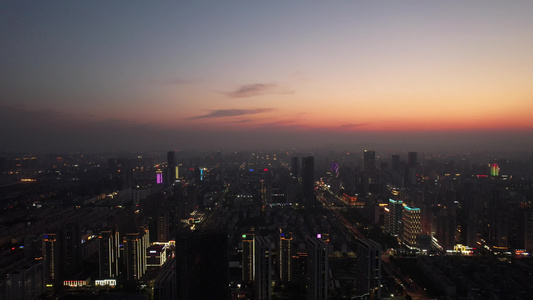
(412, 167)
(393, 217)
(70, 251)
(295, 167)
(263, 268)
(51, 258)
(411, 226)
(395, 163)
(369, 163)
(308, 182)
(369, 265)
(171, 168)
(108, 253)
(317, 269)
(285, 255)
(248, 257)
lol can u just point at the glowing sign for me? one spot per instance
(319, 236)
(106, 282)
(159, 177)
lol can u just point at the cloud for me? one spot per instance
(258, 89)
(352, 125)
(223, 113)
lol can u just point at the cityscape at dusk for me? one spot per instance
(266, 150)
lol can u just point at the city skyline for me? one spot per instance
(238, 76)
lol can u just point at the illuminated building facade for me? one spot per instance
(393, 217)
(411, 226)
(159, 177)
(263, 268)
(285, 255)
(369, 265)
(317, 269)
(135, 245)
(494, 170)
(108, 253)
(248, 257)
(51, 257)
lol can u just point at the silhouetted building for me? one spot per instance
(165, 283)
(285, 256)
(263, 268)
(369, 266)
(295, 167)
(70, 250)
(317, 269)
(202, 266)
(171, 168)
(369, 164)
(308, 181)
(412, 168)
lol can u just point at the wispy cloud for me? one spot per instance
(352, 125)
(258, 89)
(223, 113)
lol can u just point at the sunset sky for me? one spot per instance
(139, 75)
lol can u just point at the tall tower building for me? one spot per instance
(393, 217)
(70, 251)
(295, 167)
(411, 226)
(108, 254)
(308, 181)
(263, 268)
(369, 265)
(369, 163)
(317, 269)
(285, 256)
(395, 163)
(412, 167)
(171, 168)
(248, 257)
(135, 245)
(51, 258)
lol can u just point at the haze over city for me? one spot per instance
(236, 75)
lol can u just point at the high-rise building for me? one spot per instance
(135, 245)
(369, 164)
(369, 266)
(295, 167)
(171, 168)
(393, 217)
(263, 268)
(412, 167)
(317, 269)
(162, 227)
(70, 250)
(248, 243)
(395, 163)
(411, 226)
(285, 256)
(108, 253)
(51, 258)
(308, 181)
(202, 265)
